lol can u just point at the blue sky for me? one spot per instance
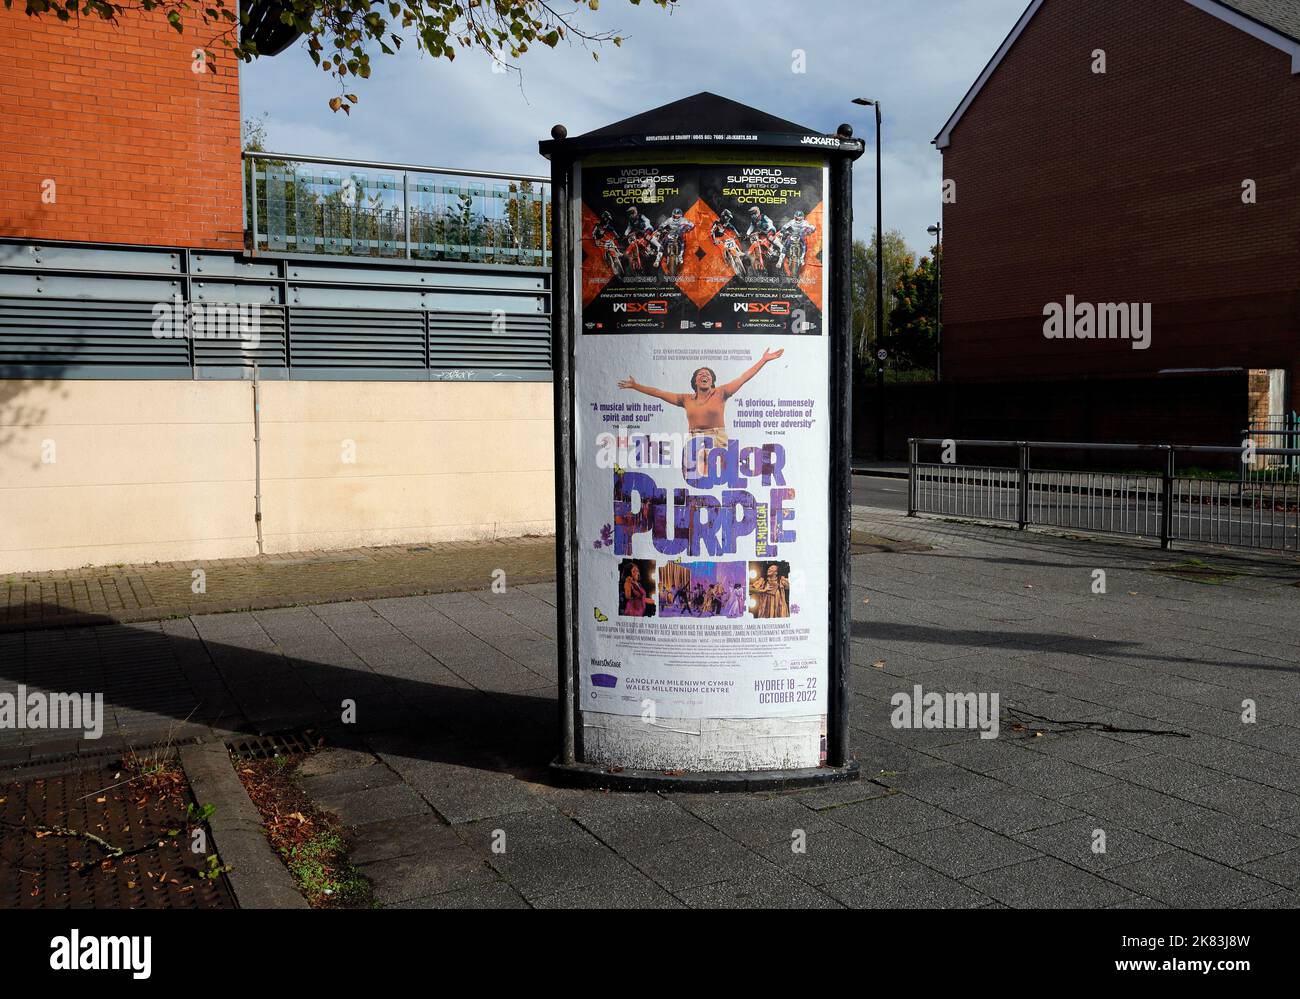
(918, 57)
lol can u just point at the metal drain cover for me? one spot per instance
(266, 747)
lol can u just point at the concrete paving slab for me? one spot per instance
(908, 886)
(1048, 883)
(962, 850)
(1184, 880)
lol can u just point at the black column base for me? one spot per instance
(587, 775)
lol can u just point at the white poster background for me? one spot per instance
(702, 667)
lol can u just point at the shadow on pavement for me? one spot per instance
(159, 686)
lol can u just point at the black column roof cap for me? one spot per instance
(702, 120)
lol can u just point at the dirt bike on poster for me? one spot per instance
(613, 255)
(638, 254)
(674, 247)
(731, 251)
(762, 253)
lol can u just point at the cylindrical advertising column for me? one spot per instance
(702, 369)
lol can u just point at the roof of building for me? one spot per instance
(1281, 15)
(1274, 22)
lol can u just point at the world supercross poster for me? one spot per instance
(726, 246)
(702, 439)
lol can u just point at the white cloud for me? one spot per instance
(917, 58)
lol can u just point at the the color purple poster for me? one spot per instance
(702, 456)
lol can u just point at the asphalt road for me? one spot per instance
(872, 490)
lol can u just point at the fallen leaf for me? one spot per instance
(866, 600)
(674, 773)
(100, 801)
(878, 664)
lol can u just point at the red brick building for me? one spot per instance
(1109, 152)
(114, 122)
(356, 303)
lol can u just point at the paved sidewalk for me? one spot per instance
(1121, 725)
(166, 589)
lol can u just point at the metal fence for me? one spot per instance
(357, 208)
(1178, 502)
(1280, 431)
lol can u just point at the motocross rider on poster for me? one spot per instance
(724, 230)
(605, 237)
(725, 227)
(793, 234)
(640, 227)
(763, 228)
(675, 227)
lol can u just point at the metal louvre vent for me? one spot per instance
(238, 350)
(52, 333)
(51, 337)
(87, 311)
(468, 340)
(348, 338)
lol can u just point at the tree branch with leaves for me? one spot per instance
(340, 36)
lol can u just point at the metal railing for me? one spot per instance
(356, 208)
(1279, 431)
(1175, 503)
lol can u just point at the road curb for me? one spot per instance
(136, 615)
(257, 877)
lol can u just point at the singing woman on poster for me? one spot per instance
(771, 593)
(633, 593)
(705, 405)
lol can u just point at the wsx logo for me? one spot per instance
(771, 308)
(654, 308)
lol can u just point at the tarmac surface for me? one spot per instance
(1148, 750)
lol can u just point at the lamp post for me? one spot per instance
(880, 292)
(936, 231)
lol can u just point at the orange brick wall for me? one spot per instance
(141, 148)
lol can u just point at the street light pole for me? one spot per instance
(936, 231)
(880, 290)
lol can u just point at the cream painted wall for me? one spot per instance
(434, 461)
(164, 470)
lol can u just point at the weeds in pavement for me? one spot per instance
(1196, 571)
(311, 842)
